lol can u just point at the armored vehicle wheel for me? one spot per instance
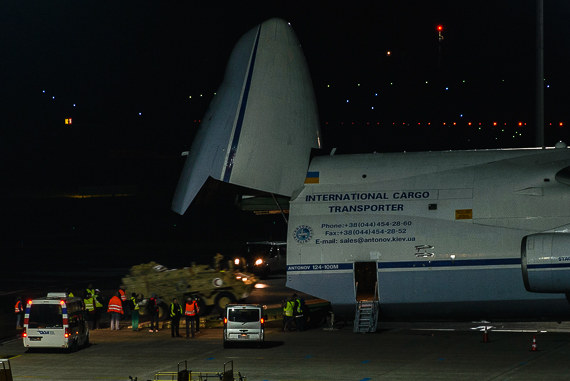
(222, 299)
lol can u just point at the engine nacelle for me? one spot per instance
(546, 262)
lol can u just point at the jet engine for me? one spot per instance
(546, 262)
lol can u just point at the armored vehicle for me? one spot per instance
(214, 288)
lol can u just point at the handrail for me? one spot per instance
(376, 290)
(356, 290)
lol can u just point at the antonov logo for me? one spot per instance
(303, 233)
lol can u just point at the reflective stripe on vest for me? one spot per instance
(123, 295)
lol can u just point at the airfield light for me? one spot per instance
(439, 29)
(236, 261)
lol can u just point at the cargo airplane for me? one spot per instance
(452, 235)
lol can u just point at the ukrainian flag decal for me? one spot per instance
(312, 178)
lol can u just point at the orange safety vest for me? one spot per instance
(115, 305)
(191, 308)
(18, 307)
(123, 295)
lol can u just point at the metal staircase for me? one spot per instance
(366, 317)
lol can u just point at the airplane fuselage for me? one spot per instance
(443, 231)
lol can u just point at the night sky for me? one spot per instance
(137, 76)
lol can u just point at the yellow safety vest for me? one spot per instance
(98, 304)
(135, 304)
(89, 305)
(288, 309)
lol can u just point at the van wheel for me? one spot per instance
(86, 343)
(73, 347)
(226, 344)
(222, 299)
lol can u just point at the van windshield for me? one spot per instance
(244, 315)
(45, 316)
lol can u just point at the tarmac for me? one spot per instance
(395, 352)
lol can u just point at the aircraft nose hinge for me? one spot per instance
(424, 251)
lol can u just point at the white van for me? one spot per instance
(244, 323)
(55, 321)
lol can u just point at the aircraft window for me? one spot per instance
(563, 176)
(432, 207)
(364, 176)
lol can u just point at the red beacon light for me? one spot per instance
(439, 29)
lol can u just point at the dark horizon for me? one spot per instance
(136, 79)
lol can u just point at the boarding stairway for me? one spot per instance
(366, 317)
